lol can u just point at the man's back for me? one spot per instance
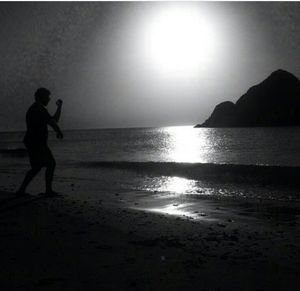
(37, 118)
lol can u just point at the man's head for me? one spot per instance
(42, 96)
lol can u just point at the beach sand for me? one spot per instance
(137, 241)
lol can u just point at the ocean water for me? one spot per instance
(182, 159)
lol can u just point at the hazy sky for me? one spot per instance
(132, 64)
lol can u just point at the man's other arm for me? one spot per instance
(56, 115)
(54, 125)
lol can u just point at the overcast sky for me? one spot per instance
(95, 57)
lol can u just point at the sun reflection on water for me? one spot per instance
(178, 210)
(177, 185)
(189, 145)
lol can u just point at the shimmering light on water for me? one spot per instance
(177, 209)
(188, 145)
(177, 185)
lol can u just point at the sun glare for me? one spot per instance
(179, 41)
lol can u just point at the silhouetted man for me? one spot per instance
(35, 140)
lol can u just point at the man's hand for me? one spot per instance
(59, 102)
(59, 135)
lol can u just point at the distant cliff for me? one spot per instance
(273, 102)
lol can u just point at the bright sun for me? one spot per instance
(179, 41)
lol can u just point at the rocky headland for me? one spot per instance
(273, 102)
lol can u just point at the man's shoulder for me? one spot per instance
(37, 110)
(37, 107)
(31, 109)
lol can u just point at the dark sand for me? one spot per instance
(126, 241)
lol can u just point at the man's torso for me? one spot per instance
(37, 118)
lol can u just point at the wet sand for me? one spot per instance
(137, 241)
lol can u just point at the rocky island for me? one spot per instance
(273, 102)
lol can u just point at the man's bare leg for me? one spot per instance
(28, 178)
(49, 178)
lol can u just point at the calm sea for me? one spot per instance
(247, 146)
(147, 158)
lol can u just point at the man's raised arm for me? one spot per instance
(56, 115)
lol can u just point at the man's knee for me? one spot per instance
(35, 169)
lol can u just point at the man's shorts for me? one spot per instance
(40, 156)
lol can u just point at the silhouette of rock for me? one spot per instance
(273, 102)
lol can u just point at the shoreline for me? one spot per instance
(95, 239)
(82, 245)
